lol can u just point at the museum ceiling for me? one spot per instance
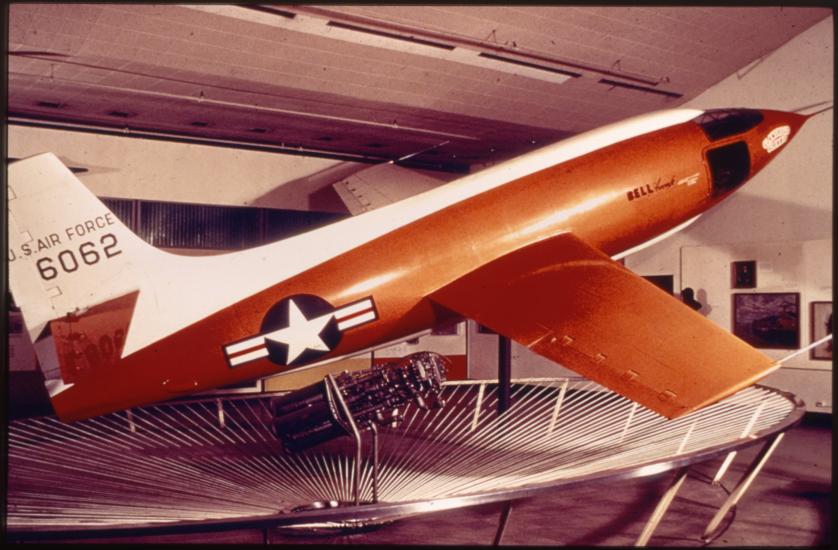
(445, 86)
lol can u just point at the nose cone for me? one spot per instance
(770, 137)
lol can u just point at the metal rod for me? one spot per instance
(686, 438)
(374, 429)
(723, 468)
(557, 408)
(356, 434)
(730, 456)
(130, 416)
(220, 407)
(753, 470)
(477, 406)
(504, 372)
(628, 422)
(807, 348)
(661, 508)
(504, 520)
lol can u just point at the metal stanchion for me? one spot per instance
(374, 430)
(504, 385)
(504, 372)
(334, 393)
(753, 470)
(661, 508)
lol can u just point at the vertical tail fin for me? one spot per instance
(67, 251)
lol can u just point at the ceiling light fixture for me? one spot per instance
(531, 65)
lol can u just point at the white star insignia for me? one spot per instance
(301, 333)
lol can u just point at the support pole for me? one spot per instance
(731, 455)
(374, 429)
(504, 519)
(504, 385)
(661, 508)
(334, 391)
(504, 372)
(753, 470)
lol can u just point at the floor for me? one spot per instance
(789, 504)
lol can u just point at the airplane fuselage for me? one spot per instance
(616, 198)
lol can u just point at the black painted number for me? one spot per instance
(87, 251)
(68, 261)
(45, 269)
(110, 245)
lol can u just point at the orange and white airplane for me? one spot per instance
(528, 248)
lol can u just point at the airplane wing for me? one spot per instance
(573, 304)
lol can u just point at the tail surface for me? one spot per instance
(68, 253)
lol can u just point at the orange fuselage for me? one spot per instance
(614, 198)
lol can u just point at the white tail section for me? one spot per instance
(67, 250)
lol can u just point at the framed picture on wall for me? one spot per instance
(821, 326)
(768, 320)
(744, 274)
(663, 282)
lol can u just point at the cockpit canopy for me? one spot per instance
(722, 123)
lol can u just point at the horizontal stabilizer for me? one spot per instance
(381, 185)
(573, 304)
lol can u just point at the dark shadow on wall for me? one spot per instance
(317, 188)
(761, 219)
(752, 219)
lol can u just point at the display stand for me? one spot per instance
(217, 463)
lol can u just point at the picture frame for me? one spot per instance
(821, 325)
(768, 320)
(743, 274)
(663, 282)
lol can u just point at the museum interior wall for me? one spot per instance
(148, 169)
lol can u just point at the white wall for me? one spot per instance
(150, 169)
(786, 207)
